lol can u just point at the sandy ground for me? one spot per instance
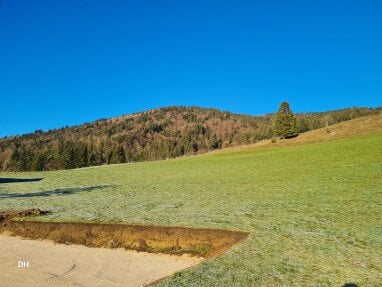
(58, 265)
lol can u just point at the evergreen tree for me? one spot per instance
(38, 162)
(215, 142)
(84, 155)
(117, 155)
(285, 123)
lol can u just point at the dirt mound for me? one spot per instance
(158, 239)
(7, 215)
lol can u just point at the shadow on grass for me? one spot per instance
(60, 191)
(15, 180)
(350, 285)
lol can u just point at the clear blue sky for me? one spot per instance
(74, 61)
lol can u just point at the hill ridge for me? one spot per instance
(151, 135)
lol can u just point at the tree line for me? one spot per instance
(156, 134)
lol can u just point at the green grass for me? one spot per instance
(313, 211)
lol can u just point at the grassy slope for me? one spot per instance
(367, 125)
(313, 210)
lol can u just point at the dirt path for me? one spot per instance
(52, 264)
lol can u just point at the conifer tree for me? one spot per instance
(285, 123)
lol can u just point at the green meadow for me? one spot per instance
(314, 211)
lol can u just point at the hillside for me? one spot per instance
(366, 125)
(156, 134)
(312, 210)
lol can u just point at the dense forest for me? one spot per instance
(155, 134)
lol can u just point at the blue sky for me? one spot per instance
(74, 61)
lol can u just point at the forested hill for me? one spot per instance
(156, 134)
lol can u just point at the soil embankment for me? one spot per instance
(156, 239)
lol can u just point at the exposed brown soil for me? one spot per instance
(158, 239)
(7, 215)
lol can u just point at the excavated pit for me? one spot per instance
(203, 242)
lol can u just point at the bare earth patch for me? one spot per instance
(58, 265)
